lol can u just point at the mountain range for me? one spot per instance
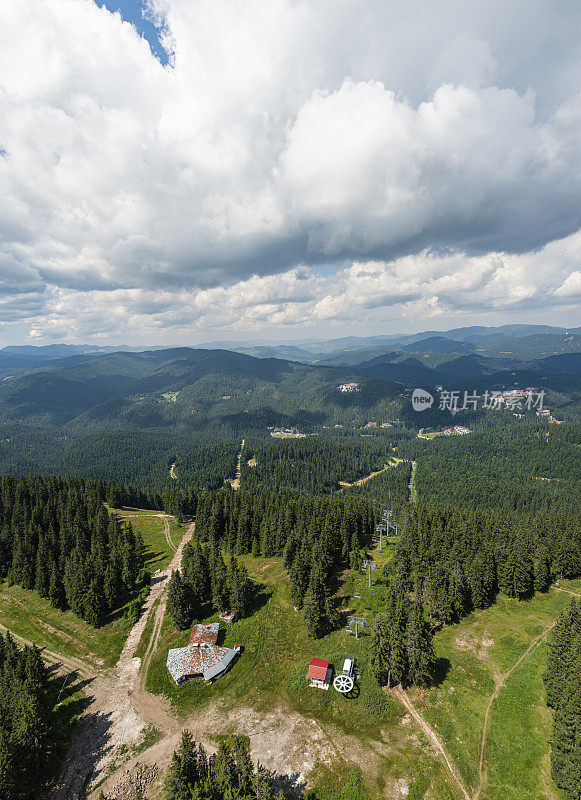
(207, 389)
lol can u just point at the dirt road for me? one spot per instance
(392, 463)
(119, 710)
(236, 482)
(62, 663)
(438, 744)
(500, 680)
(453, 772)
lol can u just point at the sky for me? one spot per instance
(178, 171)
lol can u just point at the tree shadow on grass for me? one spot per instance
(260, 596)
(70, 724)
(441, 669)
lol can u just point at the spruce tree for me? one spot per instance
(420, 651)
(379, 648)
(177, 605)
(566, 737)
(315, 607)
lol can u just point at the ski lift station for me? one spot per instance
(201, 657)
(345, 680)
(321, 672)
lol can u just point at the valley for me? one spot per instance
(479, 728)
(440, 735)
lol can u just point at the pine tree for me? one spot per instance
(420, 651)
(316, 606)
(177, 605)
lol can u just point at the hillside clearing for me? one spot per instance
(393, 462)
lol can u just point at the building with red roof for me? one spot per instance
(320, 673)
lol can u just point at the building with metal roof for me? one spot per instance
(201, 657)
(206, 633)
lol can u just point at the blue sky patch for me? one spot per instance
(133, 11)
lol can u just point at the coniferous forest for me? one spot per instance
(57, 537)
(314, 465)
(290, 400)
(229, 773)
(203, 575)
(459, 559)
(26, 738)
(522, 467)
(563, 686)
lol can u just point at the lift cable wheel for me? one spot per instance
(343, 683)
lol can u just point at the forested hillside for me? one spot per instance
(459, 559)
(522, 467)
(26, 718)
(563, 685)
(202, 389)
(390, 489)
(315, 465)
(57, 538)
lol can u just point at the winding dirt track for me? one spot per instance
(402, 696)
(439, 746)
(167, 533)
(62, 663)
(165, 518)
(120, 709)
(568, 591)
(393, 462)
(500, 680)
(236, 482)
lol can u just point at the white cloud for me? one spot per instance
(368, 294)
(284, 133)
(571, 286)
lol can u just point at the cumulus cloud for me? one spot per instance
(411, 288)
(429, 146)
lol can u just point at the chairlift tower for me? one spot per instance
(369, 565)
(357, 623)
(387, 523)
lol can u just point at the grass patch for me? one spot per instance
(32, 617)
(151, 736)
(571, 585)
(337, 781)
(488, 643)
(271, 673)
(158, 553)
(520, 732)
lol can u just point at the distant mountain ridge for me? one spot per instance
(544, 340)
(203, 389)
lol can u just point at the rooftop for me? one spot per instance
(204, 633)
(318, 669)
(195, 659)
